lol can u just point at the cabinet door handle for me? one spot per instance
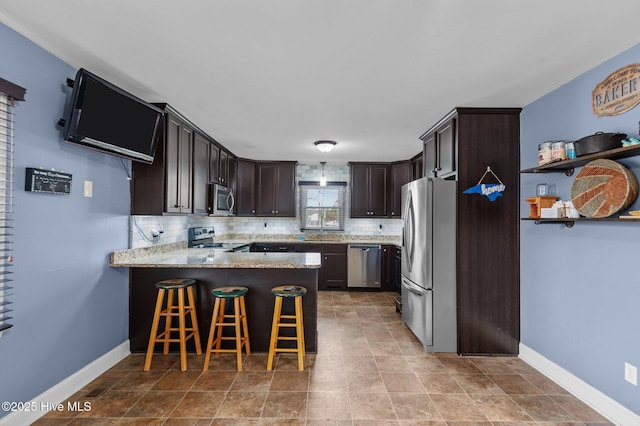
(276, 211)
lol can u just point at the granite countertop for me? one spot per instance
(177, 255)
(207, 258)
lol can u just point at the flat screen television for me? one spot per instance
(103, 116)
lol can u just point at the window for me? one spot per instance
(8, 93)
(322, 208)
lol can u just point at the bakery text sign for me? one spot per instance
(617, 93)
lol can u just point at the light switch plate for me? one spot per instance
(88, 188)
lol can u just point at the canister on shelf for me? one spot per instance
(544, 153)
(570, 151)
(558, 151)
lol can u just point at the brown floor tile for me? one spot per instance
(177, 380)
(290, 362)
(199, 404)
(216, 380)
(409, 406)
(187, 421)
(402, 382)
(455, 406)
(365, 382)
(578, 409)
(106, 381)
(223, 362)
(252, 381)
(514, 384)
(546, 385)
(500, 408)
(542, 408)
(113, 404)
(385, 349)
(287, 405)
(242, 404)
(156, 403)
(139, 380)
(257, 362)
(371, 406)
(325, 380)
(359, 363)
(477, 384)
(392, 363)
(284, 380)
(439, 383)
(328, 406)
(424, 363)
(495, 365)
(281, 422)
(234, 422)
(459, 365)
(379, 336)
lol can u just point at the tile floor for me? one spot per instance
(370, 370)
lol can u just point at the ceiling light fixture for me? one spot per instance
(323, 180)
(325, 146)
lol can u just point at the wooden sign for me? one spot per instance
(617, 93)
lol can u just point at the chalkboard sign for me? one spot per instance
(48, 182)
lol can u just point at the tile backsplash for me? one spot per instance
(174, 228)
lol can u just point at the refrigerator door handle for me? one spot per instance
(412, 287)
(409, 230)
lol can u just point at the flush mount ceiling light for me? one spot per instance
(325, 146)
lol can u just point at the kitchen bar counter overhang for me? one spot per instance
(212, 269)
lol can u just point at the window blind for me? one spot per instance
(6, 208)
(322, 208)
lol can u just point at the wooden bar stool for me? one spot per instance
(181, 311)
(239, 318)
(296, 292)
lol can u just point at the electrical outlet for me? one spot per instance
(631, 374)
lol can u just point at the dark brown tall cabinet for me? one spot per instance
(464, 144)
(167, 186)
(400, 174)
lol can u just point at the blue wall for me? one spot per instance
(580, 292)
(70, 306)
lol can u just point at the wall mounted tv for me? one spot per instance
(102, 116)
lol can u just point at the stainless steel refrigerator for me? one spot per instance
(429, 262)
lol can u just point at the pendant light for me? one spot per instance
(323, 180)
(325, 146)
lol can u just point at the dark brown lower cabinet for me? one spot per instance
(389, 268)
(333, 273)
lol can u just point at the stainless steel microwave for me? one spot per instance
(221, 200)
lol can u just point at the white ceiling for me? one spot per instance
(266, 78)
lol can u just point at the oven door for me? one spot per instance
(221, 200)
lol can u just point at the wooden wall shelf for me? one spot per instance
(569, 222)
(568, 166)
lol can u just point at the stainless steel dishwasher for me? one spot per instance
(364, 265)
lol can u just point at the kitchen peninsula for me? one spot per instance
(215, 268)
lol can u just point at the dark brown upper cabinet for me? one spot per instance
(245, 194)
(440, 151)
(369, 190)
(400, 175)
(275, 189)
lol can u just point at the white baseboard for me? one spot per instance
(63, 390)
(612, 410)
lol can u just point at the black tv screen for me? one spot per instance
(104, 117)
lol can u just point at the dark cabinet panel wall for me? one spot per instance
(488, 259)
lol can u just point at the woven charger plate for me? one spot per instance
(603, 188)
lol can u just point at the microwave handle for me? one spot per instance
(231, 201)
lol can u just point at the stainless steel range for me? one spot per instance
(203, 237)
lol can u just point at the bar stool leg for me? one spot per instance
(245, 326)
(154, 330)
(277, 309)
(237, 323)
(168, 322)
(219, 322)
(182, 331)
(299, 333)
(194, 320)
(212, 331)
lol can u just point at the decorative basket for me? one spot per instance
(603, 188)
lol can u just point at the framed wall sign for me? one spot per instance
(617, 93)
